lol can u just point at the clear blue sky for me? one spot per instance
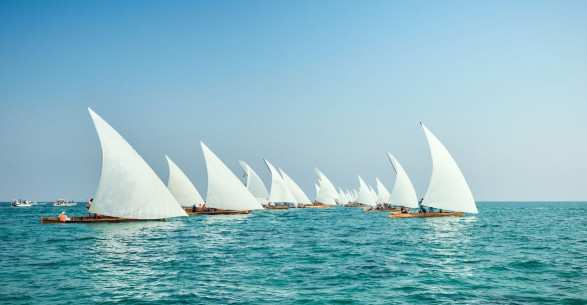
(331, 84)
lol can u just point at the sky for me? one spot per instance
(330, 84)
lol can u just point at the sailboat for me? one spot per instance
(295, 189)
(382, 200)
(403, 193)
(448, 189)
(326, 193)
(182, 188)
(226, 193)
(254, 184)
(128, 190)
(382, 192)
(365, 197)
(280, 196)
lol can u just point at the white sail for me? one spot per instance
(448, 188)
(128, 187)
(317, 189)
(403, 192)
(365, 196)
(254, 184)
(225, 190)
(382, 192)
(181, 187)
(327, 193)
(355, 195)
(373, 193)
(279, 190)
(295, 189)
(342, 197)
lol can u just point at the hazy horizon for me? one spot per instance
(330, 84)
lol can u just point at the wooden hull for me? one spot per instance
(435, 214)
(355, 205)
(319, 206)
(88, 219)
(217, 212)
(281, 207)
(382, 210)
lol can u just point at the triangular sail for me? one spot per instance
(279, 190)
(327, 193)
(382, 192)
(225, 190)
(365, 196)
(295, 189)
(373, 193)
(448, 188)
(342, 197)
(403, 192)
(128, 187)
(254, 184)
(181, 187)
(317, 189)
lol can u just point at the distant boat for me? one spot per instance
(64, 203)
(382, 200)
(280, 194)
(382, 192)
(254, 184)
(128, 190)
(182, 188)
(448, 189)
(226, 193)
(21, 203)
(295, 189)
(326, 194)
(365, 196)
(403, 193)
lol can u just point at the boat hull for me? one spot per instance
(217, 212)
(355, 205)
(89, 219)
(435, 214)
(281, 207)
(382, 210)
(318, 206)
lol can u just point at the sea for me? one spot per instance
(510, 253)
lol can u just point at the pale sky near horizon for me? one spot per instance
(331, 84)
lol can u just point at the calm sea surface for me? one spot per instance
(511, 253)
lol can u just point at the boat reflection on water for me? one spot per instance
(124, 260)
(449, 240)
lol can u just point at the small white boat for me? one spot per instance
(64, 203)
(21, 203)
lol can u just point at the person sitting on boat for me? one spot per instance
(431, 210)
(89, 205)
(62, 217)
(194, 208)
(422, 209)
(440, 211)
(403, 209)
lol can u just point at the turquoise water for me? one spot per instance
(511, 253)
